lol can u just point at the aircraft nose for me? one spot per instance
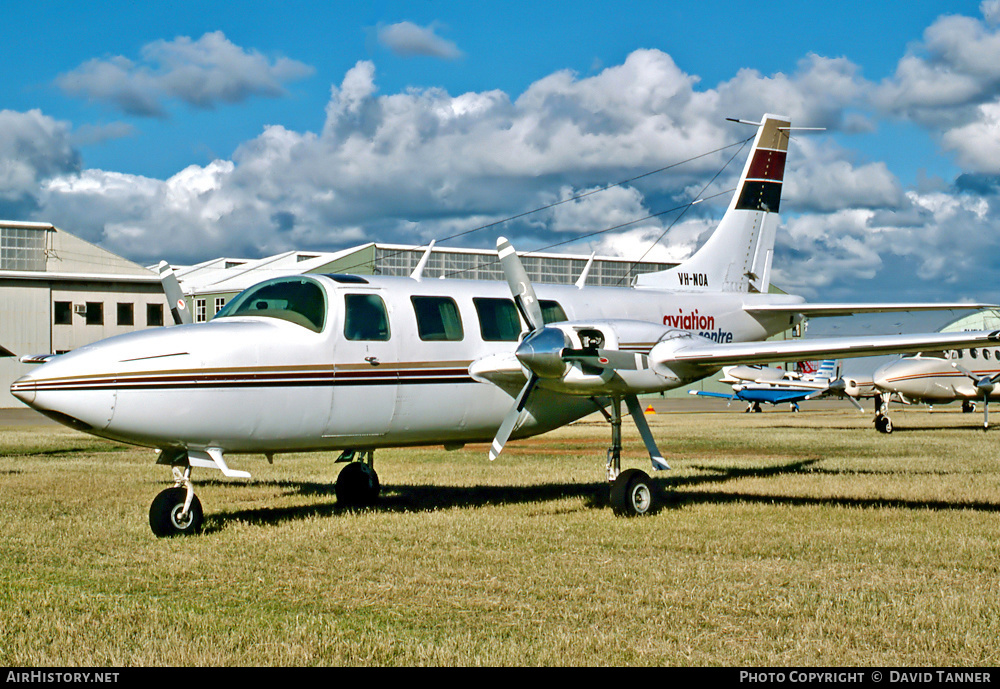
(880, 378)
(24, 389)
(84, 402)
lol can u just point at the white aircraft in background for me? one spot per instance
(968, 376)
(756, 384)
(352, 363)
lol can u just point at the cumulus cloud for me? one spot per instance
(409, 40)
(944, 78)
(423, 163)
(33, 149)
(201, 73)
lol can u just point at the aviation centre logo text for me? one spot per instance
(705, 325)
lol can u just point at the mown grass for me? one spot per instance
(804, 539)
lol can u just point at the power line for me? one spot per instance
(495, 223)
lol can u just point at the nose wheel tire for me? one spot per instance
(883, 424)
(168, 518)
(633, 494)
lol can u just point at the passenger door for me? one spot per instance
(366, 364)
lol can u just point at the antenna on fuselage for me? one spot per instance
(418, 272)
(582, 280)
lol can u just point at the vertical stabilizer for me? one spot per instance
(737, 257)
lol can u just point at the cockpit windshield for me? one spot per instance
(297, 299)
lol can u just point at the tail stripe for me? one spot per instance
(762, 188)
(760, 196)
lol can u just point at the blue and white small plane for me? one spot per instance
(757, 384)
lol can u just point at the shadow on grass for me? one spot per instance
(675, 493)
(409, 498)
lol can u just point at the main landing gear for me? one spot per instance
(633, 493)
(357, 483)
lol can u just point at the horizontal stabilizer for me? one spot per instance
(36, 358)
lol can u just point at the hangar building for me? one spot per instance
(211, 284)
(58, 292)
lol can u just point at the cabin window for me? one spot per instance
(986, 354)
(365, 317)
(959, 353)
(437, 319)
(551, 311)
(297, 300)
(973, 353)
(498, 319)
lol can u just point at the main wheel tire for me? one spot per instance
(633, 494)
(883, 424)
(357, 485)
(165, 514)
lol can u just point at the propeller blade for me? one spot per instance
(509, 421)
(175, 296)
(520, 285)
(639, 417)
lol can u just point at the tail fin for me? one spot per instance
(737, 257)
(827, 370)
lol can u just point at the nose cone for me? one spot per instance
(24, 389)
(70, 388)
(881, 377)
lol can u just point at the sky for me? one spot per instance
(191, 130)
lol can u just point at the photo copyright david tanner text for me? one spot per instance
(876, 676)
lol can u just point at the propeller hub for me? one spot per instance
(541, 352)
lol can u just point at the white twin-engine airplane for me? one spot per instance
(344, 362)
(939, 378)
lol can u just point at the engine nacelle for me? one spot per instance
(598, 357)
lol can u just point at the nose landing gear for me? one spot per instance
(177, 511)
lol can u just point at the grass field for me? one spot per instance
(788, 539)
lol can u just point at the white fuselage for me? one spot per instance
(941, 379)
(248, 383)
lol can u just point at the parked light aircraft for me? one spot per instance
(352, 363)
(939, 378)
(756, 384)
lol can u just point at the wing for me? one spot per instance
(720, 395)
(848, 309)
(691, 351)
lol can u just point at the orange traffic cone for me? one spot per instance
(650, 410)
